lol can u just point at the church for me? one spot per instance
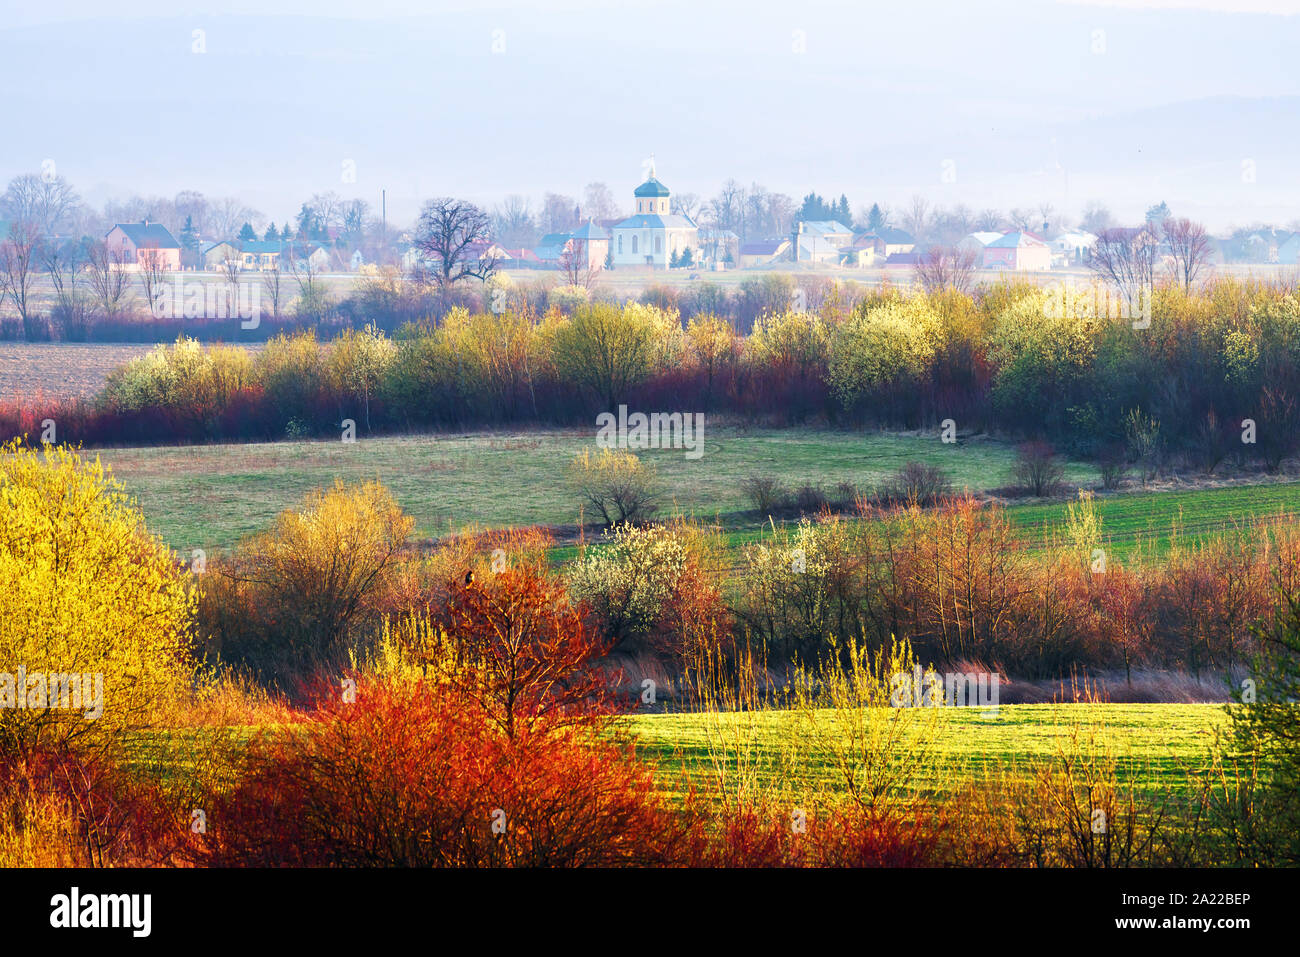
(654, 236)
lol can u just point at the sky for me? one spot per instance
(991, 103)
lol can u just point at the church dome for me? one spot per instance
(650, 188)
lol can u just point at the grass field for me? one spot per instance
(1157, 743)
(210, 496)
(1150, 521)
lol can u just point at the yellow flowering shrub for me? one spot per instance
(85, 591)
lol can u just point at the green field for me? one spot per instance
(209, 496)
(1157, 743)
(1152, 520)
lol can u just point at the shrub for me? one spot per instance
(1112, 468)
(621, 487)
(85, 592)
(1081, 809)
(1265, 726)
(652, 586)
(1037, 469)
(882, 350)
(1212, 443)
(916, 483)
(61, 808)
(808, 584)
(1278, 428)
(513, 648)
(293, 596)
(810, 499)
(606, 350)
(405, 777)
(1143, 435)
(291, 370)
(766, 493)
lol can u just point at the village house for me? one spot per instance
(1074, 247)
(1018, 251)
(261, 254)
(590, 244)
(216, 255)
(886, 241)
(820, 241)
(143, 243)
(975, 243)
(764, 252)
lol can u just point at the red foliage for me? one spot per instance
(407, 776)
(519, 653)
(118, 818)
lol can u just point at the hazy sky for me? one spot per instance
(987, 102)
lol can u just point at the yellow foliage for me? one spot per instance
(84, 590)
(891, 343)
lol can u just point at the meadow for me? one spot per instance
(1157, 745)
(211, 496)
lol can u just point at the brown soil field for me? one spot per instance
(60, 369)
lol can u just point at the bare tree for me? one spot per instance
(1189, 246)
(1126, 259)
(917, 218)
(559, 213)
(274, 289)
(229, 270)
(107, 276)
(687, 204)
(727, 209)
(192, 203)
(1045, 211)
(225, 216)
(946, 267)
(64, 263)
(1096, 218)
(1021, 219)
(353, 215)
(46, 201)
(152, 262)
(576, 265)
(598, 202)
(447, 233)
(988, 220)
(18, 260)
(329, 208)
(513, 222)
(311, 288)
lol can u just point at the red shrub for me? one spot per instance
(518, 652)
(111, 817)
(410, 777)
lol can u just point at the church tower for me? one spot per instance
(652, 196)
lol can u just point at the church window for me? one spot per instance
(634, 245)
